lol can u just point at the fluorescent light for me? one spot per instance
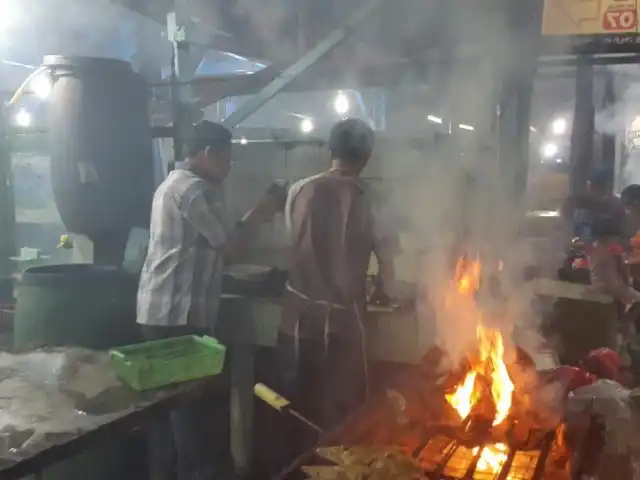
(341, 103)
(464, 126)
(543, 213)
(244, 141)
(306, 125)
(434, 119)
(559, 126)
(23, 118)
(41, 85)
(533, 129)
(549, 150)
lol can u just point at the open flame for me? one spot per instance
(486, 367)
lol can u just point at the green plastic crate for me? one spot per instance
(163, 362)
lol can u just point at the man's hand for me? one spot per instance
(379, 297)
(279, 191)
(269, 205)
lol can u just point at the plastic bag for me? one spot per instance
(610, 401)
(55, 391)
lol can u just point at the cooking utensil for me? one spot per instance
(281, 404)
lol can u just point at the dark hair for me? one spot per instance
(208, 134)
(351, 140)
(630, 196)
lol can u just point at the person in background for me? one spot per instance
(333, 228)
(609, 273)
(630, 198)
(191, 238)
(582, 209)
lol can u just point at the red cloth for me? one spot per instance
(603, 363)
(572, 377)
(583, 262)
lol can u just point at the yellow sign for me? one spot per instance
(589, 17)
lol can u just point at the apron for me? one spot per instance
(329, 306)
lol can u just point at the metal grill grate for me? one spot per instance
(414, 418)
(444, 457)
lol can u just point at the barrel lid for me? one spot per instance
(85, 62)
(68, 272)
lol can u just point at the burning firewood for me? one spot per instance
(486, 415)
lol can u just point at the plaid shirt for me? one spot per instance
(181, 279)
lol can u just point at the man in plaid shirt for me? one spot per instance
(190, 240)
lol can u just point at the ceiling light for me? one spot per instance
(341, 103)
(23, 118)
(549, 150)
(41, 85)
(306, 125)
(559, 126)
(434, 119)
(243, 141)
(464, 126)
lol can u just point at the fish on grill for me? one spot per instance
(361, 463)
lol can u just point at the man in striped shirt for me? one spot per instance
(181, 281)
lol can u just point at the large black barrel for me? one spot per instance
(101, 146)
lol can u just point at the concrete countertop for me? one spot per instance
(392, 335)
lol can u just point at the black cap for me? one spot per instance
(210, 135)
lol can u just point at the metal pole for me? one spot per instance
(7, 210)
(309, 59)
(184, 63)
(581, 155)
(515, 98)
(607, 139)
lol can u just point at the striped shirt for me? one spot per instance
(181, 280)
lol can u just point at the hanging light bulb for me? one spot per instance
(341, 103)
(559, 126)
(23, 118)
(306, 125)
(41, 85)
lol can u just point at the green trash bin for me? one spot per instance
(77, 304)
(81, 305)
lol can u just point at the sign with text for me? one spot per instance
(590, 17)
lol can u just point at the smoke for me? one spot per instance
(622, 120)
(457, 201)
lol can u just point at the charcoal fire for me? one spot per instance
(488, 420)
